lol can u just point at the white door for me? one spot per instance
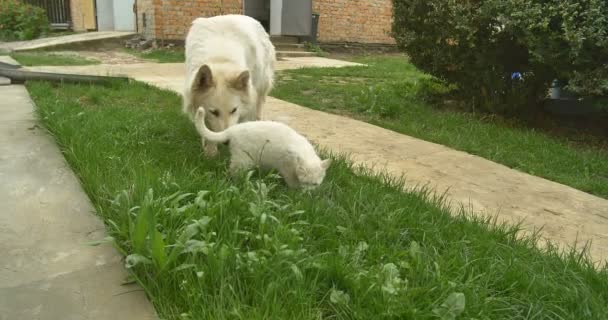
(296, 17)
(276, 9)
(105, 15)
(124, 17)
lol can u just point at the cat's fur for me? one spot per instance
(229, 70)
(270, 145)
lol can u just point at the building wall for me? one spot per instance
(83, 15)
(174, 17)
(145, 18)
(363, 21)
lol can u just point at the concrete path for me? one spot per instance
(47, 271)
(565, 214)
(171, 75)
(62, 40)
(8, 60)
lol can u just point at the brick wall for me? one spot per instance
(364, 21)
(172, 18)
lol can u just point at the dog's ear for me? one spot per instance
(203, 79)
(242, 81)
(325, 164)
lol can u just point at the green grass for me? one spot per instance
(205, 246)
(50, 59)
(161, 55)
(389, 93)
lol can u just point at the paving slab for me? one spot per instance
(47, 270)
(62, 40)
(78, 295)
(488, 188)
(566, 215)
(9, 60)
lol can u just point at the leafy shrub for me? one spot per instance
(483, 46)
(20, 21)
(315, 48)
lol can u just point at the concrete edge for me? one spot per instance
(105, 42)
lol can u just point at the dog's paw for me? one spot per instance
(210, 150)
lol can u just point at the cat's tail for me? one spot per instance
(216, 137)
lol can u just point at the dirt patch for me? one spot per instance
(342, 80)
(353, 56)
(111, 57)
(103, 56)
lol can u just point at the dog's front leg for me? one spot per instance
(209, 148)
(258, 108)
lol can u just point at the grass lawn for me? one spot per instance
(50, 59)
(205, 246)
(161, 55)
(388, 94)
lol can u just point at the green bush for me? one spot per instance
(20, 21)
(479, 45)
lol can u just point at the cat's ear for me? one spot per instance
(242, 81)
(203, 79)
(325, 164)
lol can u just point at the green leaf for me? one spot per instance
(175, 202)
(138, 236)
(339, 297)
(414, 250)
(98, 242)
(196, 246)
(184, 267)
(452, 307)
(135, 259)
(158, 249)
(143, 224)
(297, 272)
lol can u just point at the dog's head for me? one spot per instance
(310, 175)
(224, 93)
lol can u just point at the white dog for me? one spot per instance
(230, 68)
(270, 145)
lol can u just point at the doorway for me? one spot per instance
(115, 15)
(259, 10)
(281, 17)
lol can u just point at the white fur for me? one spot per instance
(270, 145)
(229, 70)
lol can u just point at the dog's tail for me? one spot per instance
(217, 137)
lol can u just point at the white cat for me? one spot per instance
(270, 145)
(229, 70)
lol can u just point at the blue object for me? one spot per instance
(556, 90)
(516, 76)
